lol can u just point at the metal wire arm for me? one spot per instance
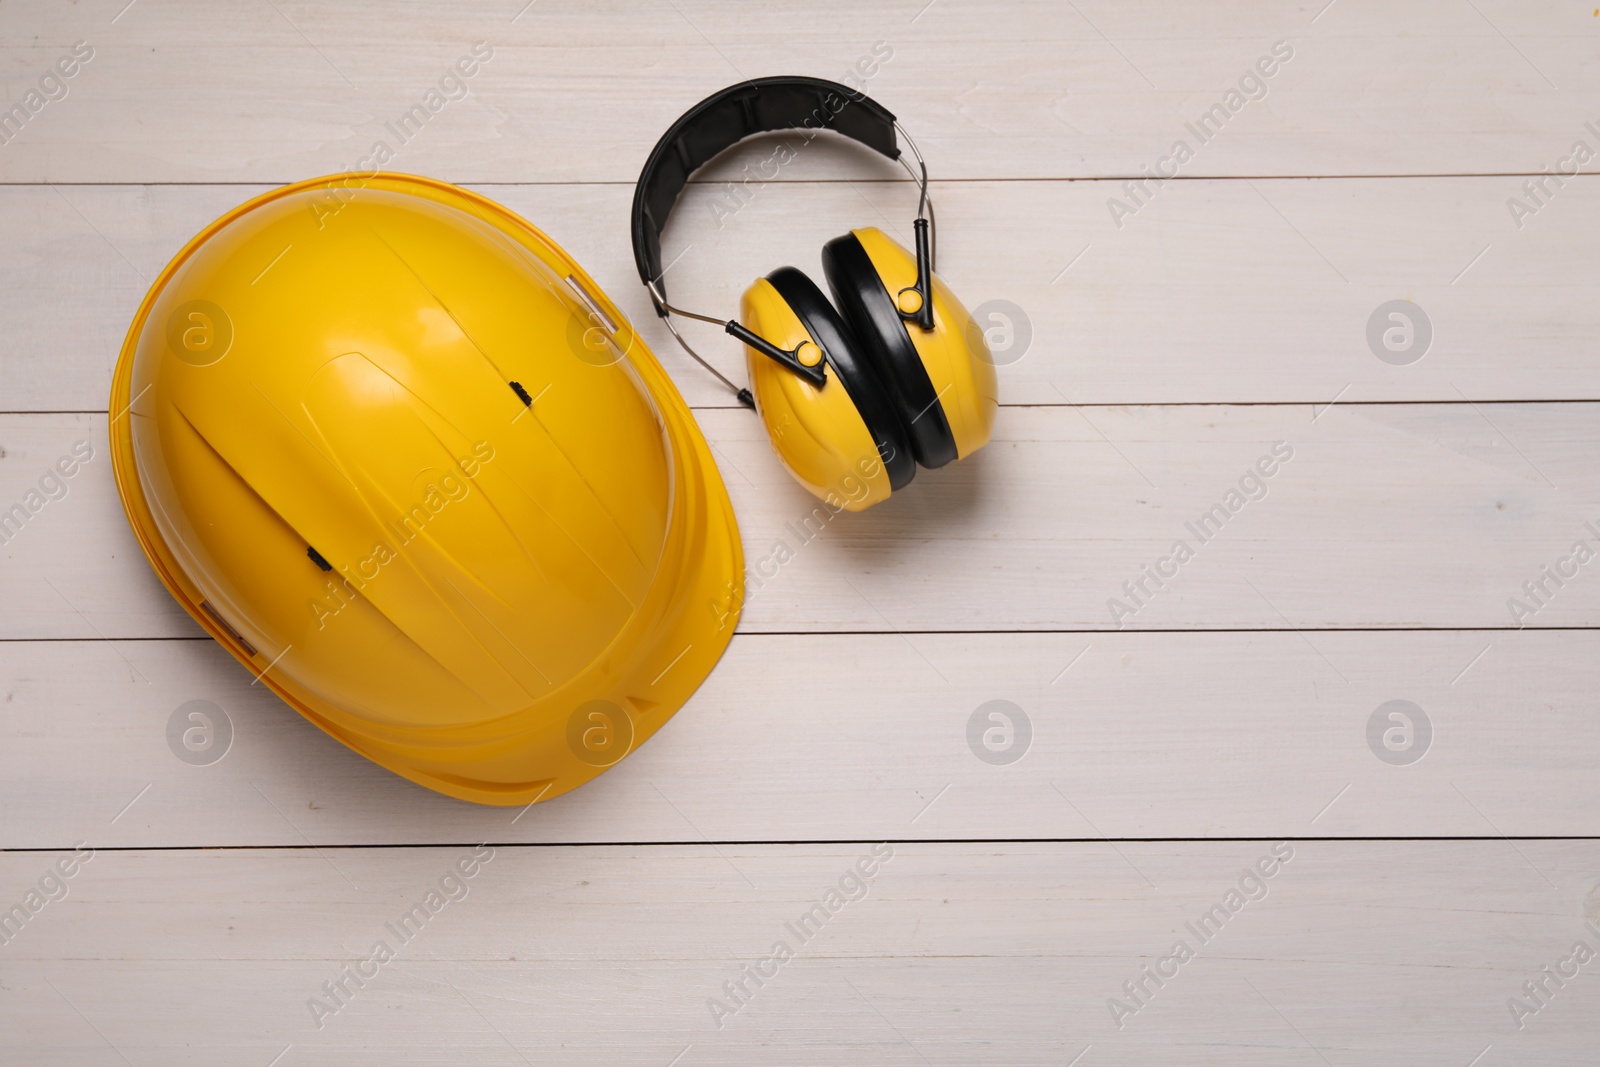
(788, 358)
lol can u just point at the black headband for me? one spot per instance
(722, 120)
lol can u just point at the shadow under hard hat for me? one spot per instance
(395, 450)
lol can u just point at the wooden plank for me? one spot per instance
(832, 737)
(1390, 952)
(1217, 291)
(1176, 730)
(580, 91)
(1373, 523)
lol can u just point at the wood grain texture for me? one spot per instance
(1173, 740)
(580, 91)
(841, 737)
(1389, 953)
(1386, 516)
(1217, 291)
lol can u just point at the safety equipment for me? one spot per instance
(394, 449)
(912, 382)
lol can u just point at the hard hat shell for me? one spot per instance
(394, 449)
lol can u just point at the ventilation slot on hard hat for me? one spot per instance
(522, 394)
(316, 557)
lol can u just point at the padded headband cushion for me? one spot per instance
(871, 311)
(839, 350)
(720, 121)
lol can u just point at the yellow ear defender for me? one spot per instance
(855, 394)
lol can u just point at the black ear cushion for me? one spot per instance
(870, 310)
(842, 351)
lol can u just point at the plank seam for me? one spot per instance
(852, 841)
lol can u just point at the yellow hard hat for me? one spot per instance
(399, 454)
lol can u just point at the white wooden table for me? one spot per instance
(1224, 724)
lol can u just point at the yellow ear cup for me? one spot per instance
(962, 377)
(818, 434)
